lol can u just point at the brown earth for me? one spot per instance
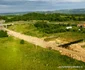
(75, 51)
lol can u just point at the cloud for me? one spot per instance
(57, 0)
(48, 0)
(39, 5)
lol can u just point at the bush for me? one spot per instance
(22, 42)
(50, 28)
(3, 34)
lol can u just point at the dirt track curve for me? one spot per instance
(78, 54)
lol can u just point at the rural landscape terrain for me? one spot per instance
(42, 41)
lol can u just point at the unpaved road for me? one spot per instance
(40, 42)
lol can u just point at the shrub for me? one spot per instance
(22, 42)
(3, 34)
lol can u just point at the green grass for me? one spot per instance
(70, 36)
(16, 56)
(30, 29)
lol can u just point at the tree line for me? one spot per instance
(57, 28)
(46, 16)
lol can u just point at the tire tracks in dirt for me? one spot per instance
(40, 42)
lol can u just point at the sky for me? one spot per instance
(7, 6)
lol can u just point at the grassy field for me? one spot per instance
(70, 36)
(16, 56)
(30, 29)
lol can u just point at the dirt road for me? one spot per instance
(40, 42)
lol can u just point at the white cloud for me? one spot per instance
(57, 0)
(28, 5)
(73, 0)
(50, 0)
(4, 6)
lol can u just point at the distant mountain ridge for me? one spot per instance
(71, 11)
(15, 13)
(65, 11)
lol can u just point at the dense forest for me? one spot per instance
(59, 28)
(45, 16)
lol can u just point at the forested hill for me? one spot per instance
(45, 16)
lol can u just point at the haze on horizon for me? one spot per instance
(7, 6)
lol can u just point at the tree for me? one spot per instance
(3, 34)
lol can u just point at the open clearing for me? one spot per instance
(31, 57)
(16, 56)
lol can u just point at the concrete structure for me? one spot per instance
(1, 26)
(81, 25)
(5, 25)
(69, 27)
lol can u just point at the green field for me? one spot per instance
(30, 29)
(27, 29)
(16, 56)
